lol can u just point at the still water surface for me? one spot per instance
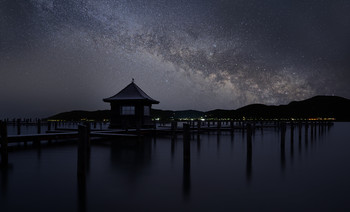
(310, 174)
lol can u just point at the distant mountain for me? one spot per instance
(318, 106)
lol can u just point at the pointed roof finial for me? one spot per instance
(132, 80)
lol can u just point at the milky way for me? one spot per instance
(65, 55)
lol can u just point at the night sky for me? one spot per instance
(62, 55)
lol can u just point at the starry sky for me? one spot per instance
(62, 55)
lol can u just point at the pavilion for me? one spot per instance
(131, 108)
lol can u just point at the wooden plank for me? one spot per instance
(47, 136)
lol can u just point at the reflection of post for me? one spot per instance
(243, 126)
(4, 169)
(198, 143)
(82, 192)
(83, 158)
(232, 125)
(4, 141)
(249, 153)
(218, 141)
(283, 143)
(306, 134)
(186, 161)
(313, 128)
(173, 139)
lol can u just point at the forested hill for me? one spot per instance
(315, 107)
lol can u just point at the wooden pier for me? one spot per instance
(61, 131)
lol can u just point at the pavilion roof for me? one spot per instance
(131, 92)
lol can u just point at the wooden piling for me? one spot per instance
(232, 126)
(173, 127)
(18, 126)
(49, 126)
(39, 126)
(186, 130)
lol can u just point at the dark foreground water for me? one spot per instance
(221, 174)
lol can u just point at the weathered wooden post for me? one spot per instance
(186, 160)
(186, 130)
(39, 126)
(219, 125)
(173, 127)
(198, 126)
(4, 142)
(18, 126)
(48, 125)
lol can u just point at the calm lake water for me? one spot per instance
(221, 174)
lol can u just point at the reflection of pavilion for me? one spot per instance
(131, 155)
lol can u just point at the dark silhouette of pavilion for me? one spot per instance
(131, 108)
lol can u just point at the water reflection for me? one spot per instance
(283, 147)
(5, 168)
(83, 167)
(218, 142)
(172, 146)
(198, 143)
(130, 158)
(249, 159)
